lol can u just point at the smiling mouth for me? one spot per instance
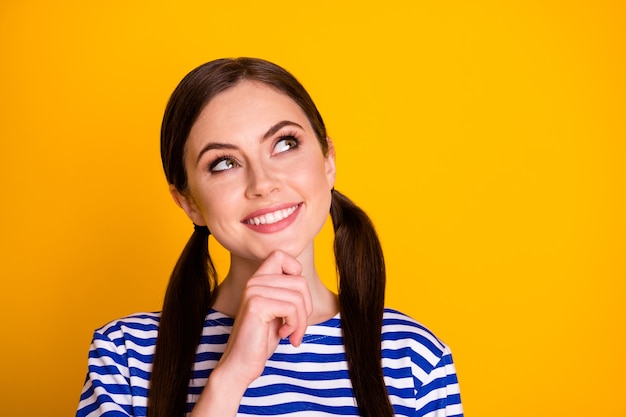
(273, 217)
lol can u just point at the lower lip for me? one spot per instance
(275, 227)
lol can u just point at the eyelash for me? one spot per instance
(289, 135)
(225, 157)
(221, 158)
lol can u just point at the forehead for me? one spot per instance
(248, 108)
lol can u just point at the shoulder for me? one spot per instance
(409, 349)
(138, 326)
(401, 332)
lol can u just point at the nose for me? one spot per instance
(261, 182)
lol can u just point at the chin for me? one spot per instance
(289, 250)
(293, 250)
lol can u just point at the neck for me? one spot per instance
(325, 302)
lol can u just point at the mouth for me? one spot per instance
(271, 217)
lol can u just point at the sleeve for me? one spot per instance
(439, 395)
(107, 391)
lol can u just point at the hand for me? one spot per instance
(275, 304)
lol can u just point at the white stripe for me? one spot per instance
(269, 380)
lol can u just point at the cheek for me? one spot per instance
(218, 205)
(315, 183)
(210, 202)
(322, 179)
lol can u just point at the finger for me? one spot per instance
(289, 282)
(271, 303)
(293, 326)
(278, 317)
(279, 262)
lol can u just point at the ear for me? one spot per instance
(329, 163)
(189, 206)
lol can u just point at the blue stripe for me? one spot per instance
(308, 357)
(140, 326)
(307, 376)
(141, 411)
(208, 356)
(141, 341)
(439, 404)
(101, 400)
(416, 358)
(114, 389)
(116, 414)
(139, 392)
(300, 406)
(140, 373)
(431, 406)
(398, 373)
(113, 356)
(105, 370)
(217, 322)
(201, 374)
(454, 399)
(129, 324)
(215, 339)
(422, 340)
(88, 391)
(140, 357)
(284, 388)
(401, 392)
(398, 321)
(88, 409)
(400, 410)
(313, 338)
(439, 383)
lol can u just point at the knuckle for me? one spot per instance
(292, 308)
(253, 303)
(302, 283)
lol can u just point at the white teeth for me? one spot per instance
(274, 217)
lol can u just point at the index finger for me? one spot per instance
(280, 262)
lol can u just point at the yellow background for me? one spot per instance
(487, 140)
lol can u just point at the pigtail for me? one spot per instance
(361, 269)
(187, 301)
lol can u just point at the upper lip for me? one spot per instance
(271, 209)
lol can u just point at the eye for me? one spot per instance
(286, 143)
(223, 164)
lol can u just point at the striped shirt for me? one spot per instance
(310, 380)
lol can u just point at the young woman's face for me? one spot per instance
(256, 173)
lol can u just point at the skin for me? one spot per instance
(251, 152)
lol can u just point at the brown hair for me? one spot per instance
(358, 254)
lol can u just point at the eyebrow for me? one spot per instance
(211, 146)
(279, 126)
(271, 131)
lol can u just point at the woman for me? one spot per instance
(247, 157)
